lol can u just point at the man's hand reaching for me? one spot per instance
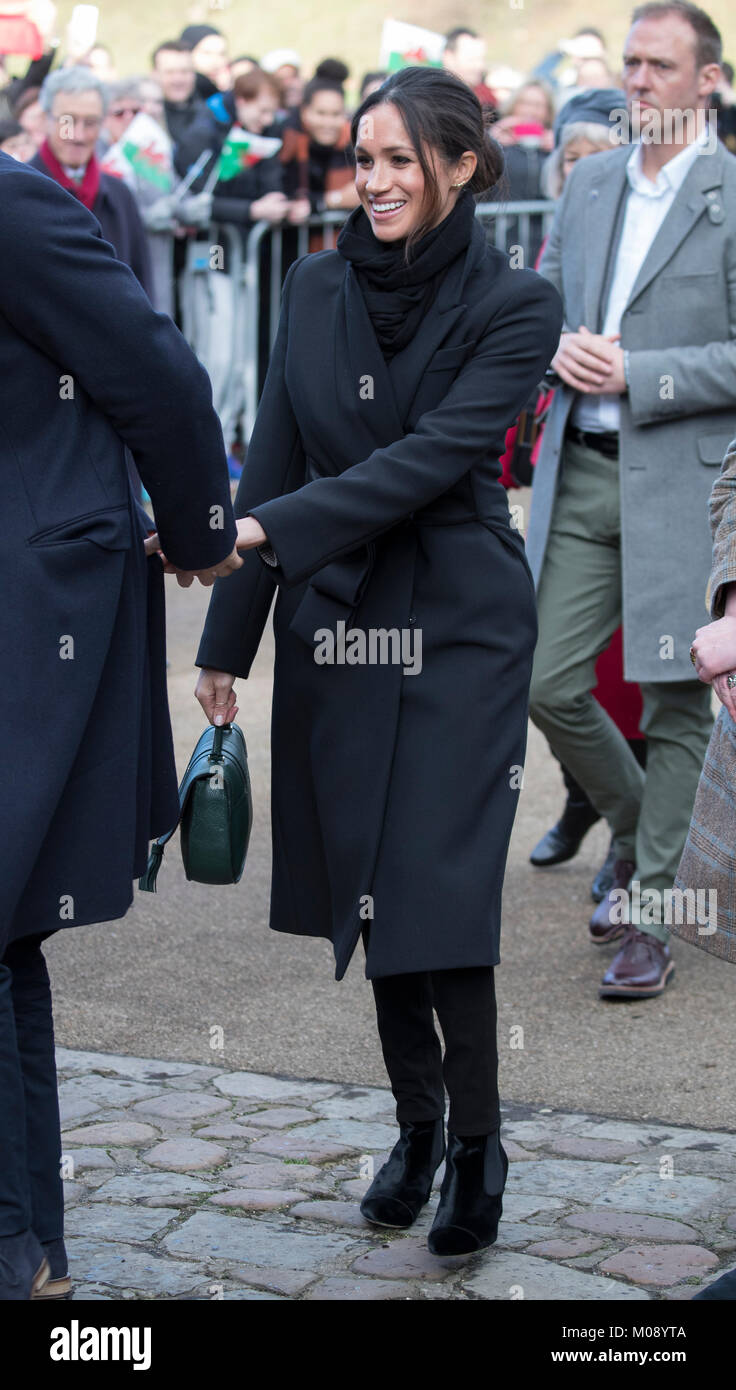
(185, 578)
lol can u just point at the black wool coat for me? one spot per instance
(88, 371)
(393, 794)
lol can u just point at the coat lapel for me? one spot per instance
(691, 201)
(601, 216)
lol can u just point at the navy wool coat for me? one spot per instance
(393, 791)
(88, 370)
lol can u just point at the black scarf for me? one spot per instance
(397, 297)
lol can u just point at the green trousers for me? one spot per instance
(579, 605)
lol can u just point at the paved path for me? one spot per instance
(200, 1182)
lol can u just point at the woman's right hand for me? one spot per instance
(215, 693)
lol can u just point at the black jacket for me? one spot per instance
(192, 128)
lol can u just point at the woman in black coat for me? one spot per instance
(405, 620)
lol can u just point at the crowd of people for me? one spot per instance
(70, 109)
(609, 377)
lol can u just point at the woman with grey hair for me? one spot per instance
(584, 125)
(577, 139)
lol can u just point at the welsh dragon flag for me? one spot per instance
(407, 45)
(142, 157)
(242, 149)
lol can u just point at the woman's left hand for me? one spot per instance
(714, 650)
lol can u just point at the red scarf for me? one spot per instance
(87, 188)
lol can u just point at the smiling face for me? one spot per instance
(531, 106)
(258, 113)
(660, 70)
(74, 126)
(324, 116)
(389, 178)
(175, 72)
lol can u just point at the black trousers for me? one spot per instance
(465, 1002)
(31, 1188)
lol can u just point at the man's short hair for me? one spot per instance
(170, 46)
(76, 79)
(451, 39)
(708, 43)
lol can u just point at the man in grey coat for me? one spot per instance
(643, 254)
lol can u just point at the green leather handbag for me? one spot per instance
(215, 811)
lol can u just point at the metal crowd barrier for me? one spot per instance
(222, 298)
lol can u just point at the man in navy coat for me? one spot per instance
(88, 372)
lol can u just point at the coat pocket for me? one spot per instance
(108, 527)
(450, 356)
(712, 448)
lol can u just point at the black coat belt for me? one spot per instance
(336, 590)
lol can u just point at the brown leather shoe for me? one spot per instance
(58, 1284)
(54, 1288)
(640, 970)
(602, 928)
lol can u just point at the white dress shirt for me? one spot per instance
(647, 206)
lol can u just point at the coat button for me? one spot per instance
(412, 619)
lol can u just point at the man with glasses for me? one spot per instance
(75, 103)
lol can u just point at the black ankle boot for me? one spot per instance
(403, 1185)
(470, 1197)
(563, 841)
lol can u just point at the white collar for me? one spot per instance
(672, 174)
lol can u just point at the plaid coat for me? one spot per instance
(709, 858)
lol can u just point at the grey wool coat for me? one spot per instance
(679, 414)
(708, 864)
(393, 792)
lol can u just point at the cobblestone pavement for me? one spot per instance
(193, 1182)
